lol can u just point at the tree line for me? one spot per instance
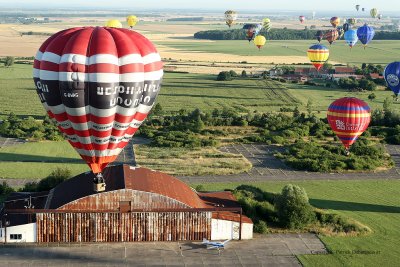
(280, 34)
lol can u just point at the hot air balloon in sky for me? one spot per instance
(365, 34)
(351, 37)
(379, 16)
(259, 41)
(252, 30)
(373, 12)
(331, 36)
(357, 7)
(313, 14)
(340, 31)
(335, 21)
(114, 23)
(302, 19)
(318, 55)
(392, 77)
(230, 17)
(132, 20)
(319, 35)
(267, 24)
(352, 21)
(349, 117)
(99, 84)
(363, 9)
(346, 27)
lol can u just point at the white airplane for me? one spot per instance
(218, 245)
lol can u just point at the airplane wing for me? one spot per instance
(226, 241)
(212, 247)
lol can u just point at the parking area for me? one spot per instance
(263, 250)
(4, 141)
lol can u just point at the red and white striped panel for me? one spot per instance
(99, 84)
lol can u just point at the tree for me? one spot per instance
(296, 112)
(9, 61)
(55, 178)
(371, 96)
(309, 107)
(293, 207)
(244, 74)
(158, 110)
(387, 104)
(224, 76)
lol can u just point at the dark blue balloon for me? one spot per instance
(365, 34)
(392, 77)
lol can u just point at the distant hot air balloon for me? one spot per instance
(335, 21)
(319, 35)
(349, 117)
(99, 84)
(267, 24)
(331, 36)
(352, 21)
(392, 77)
(346, 27)
(340, 31)
(313, 14)
(357, 7)
(131, 20)
(373, 12)
(259, 41)
(230, 17)
(365, 34)
(379, 16)
(351, 37)
(252, 30)
(318, 55)
(363, 9)
(114, 23)
(302, 19)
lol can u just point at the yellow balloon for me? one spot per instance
(114, 23)
(318, 55)
(259, 41)
(132, 20)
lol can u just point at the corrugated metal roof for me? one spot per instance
(126, 177)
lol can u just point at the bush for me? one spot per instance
(261, 227)
(224, 76)
(293, 208)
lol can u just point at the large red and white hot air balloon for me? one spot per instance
(99, 84)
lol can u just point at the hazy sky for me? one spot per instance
(260, 5)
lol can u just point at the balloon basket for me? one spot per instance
(99, 184)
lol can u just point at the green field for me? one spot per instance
(37, 160)
(373, 203)
(191, 91)
(378, 52)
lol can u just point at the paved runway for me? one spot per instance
(263, 250)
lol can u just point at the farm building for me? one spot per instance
(138, 205)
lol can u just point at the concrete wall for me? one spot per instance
(223, 229)
(28, 232)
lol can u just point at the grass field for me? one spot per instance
(37, 160)
(187, 161)
(378, 52)
(191, 91)
(373, 203)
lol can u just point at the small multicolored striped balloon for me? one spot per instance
(331, 36)
(318, 55)
(335, 21)
(349, 117)
(99, 84)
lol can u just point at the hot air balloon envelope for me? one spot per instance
(392, 77)
(365, 34)
(349, 117)
(114, 23)
(259, 41)
(351, 37)
(99, 84)
(318, 55)
(335, 21)
(132, 20)
(230, 17)
(252, 30)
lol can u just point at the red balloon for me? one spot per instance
(349, 117)
(99, 84)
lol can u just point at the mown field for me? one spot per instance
(373, 203)
(191, 91)
(39, 159)
(378, 52)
